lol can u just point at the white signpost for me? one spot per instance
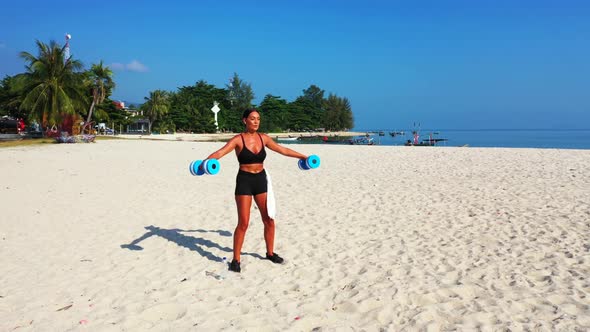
(216, 110)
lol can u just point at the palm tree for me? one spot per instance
(101, 83)
(53, 86)
(155, 106)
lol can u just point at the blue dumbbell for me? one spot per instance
(311, 162)
(207, 166)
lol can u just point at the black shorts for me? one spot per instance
(251, 183)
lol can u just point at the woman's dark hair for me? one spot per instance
(247, 112)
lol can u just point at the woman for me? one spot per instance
(251, 182)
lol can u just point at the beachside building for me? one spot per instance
(120, 105)
(139, 126)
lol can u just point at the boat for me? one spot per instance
(311, 138)
(323, 139)
(375, 132)
(362, 140)
(430, 141)
(286, 139)
(396, 133)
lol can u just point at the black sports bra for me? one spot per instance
(246, 156)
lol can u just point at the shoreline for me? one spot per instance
(226, 136)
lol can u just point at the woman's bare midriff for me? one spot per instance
(252, 168)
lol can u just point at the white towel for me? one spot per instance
(271, 204)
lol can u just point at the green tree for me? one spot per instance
(53, 87)
(346, 116)
(190, 107)
(311, 103)
(101, 83)
(205, 95)
(240, 94)
(338, 113)
(314, 95)
(165, 125)
(300, 116)
(180, 115)
(155, 106)
(11, 98)
(275, 114)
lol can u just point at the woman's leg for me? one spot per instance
(269, 224)
(243, 202)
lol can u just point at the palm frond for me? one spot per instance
(52, 85)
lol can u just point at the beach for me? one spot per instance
(117, 235)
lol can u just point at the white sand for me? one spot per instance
(377, 238)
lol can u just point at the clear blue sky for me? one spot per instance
(473, 64)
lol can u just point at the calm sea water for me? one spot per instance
(558, 139)
(545, 139)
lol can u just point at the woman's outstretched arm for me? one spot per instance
(227, 148)
(281, 149)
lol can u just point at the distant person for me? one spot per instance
(251, 181)
(21, 125)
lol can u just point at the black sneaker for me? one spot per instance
(275, 258)
(235, 266)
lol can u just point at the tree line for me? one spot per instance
(54, 88)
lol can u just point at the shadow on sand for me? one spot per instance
(198, 244)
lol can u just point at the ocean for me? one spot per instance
(516, 138)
